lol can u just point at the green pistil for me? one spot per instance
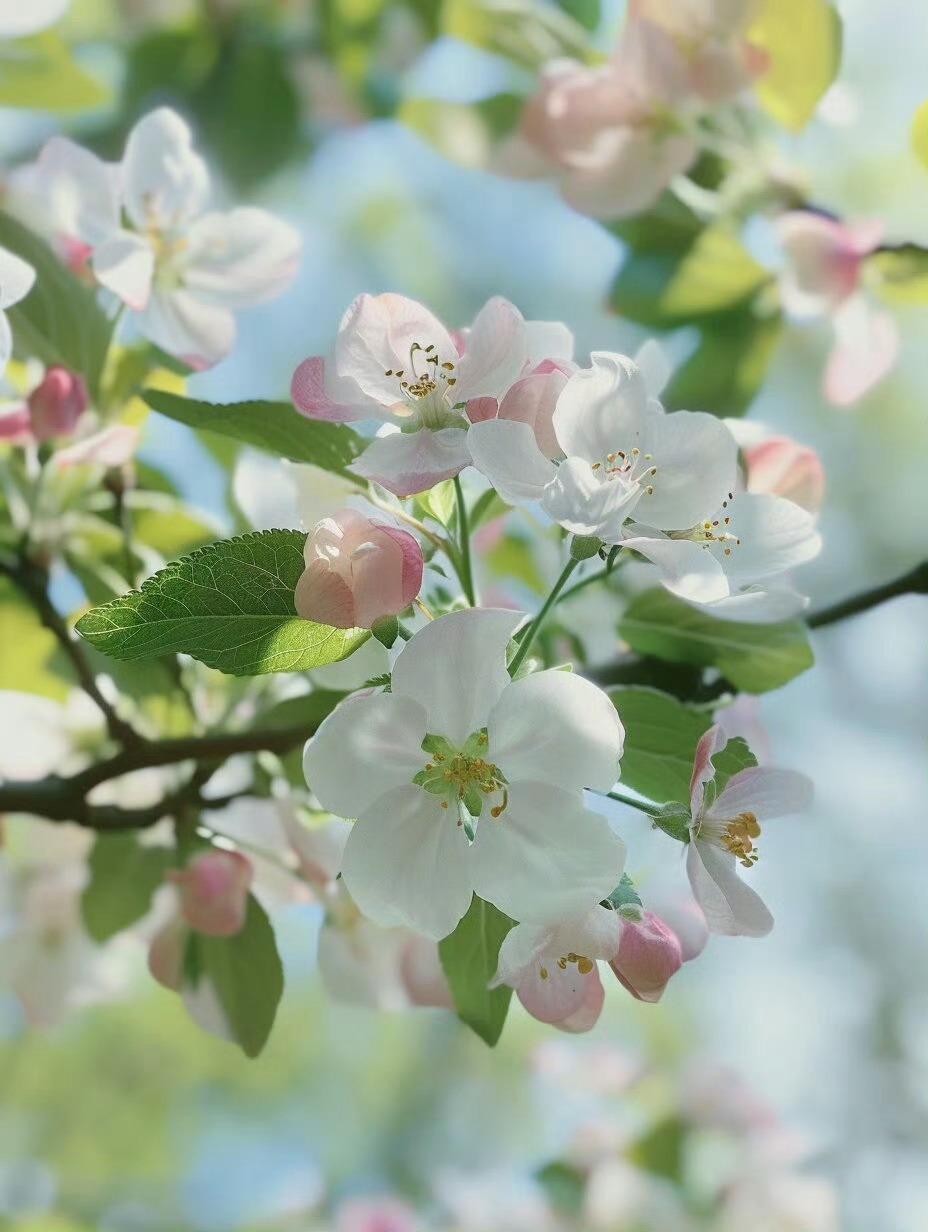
(462, 777)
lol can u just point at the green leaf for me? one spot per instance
(802, 39)
(728, 367)
(246, 973)
(587, 12)
(31, 661)
(469, 957)
(899, 275)
(661, 1149)
(733, 758)
(59, 321)
(274, 427)
(124, 876)
(521, 30)
(438, 503)
(40, 73)
(661, 735)
(564, 1185)
(230, 605)
(754, 657)
(664, 287)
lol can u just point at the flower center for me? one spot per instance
(584, 965)
(463, 778)
(426, 385)
(738, 837)
(715, 533)
(632, 467)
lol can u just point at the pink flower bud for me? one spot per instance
(214, 892)
(785, 468)
(166, 954)
(357, 572)
(57, 404)
(649, 954)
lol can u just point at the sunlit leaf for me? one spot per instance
(802, 40)
(899, 274)
(726, 371)
(40, 73)
(123, 878)
(661, 735)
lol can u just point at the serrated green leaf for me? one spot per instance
(41, 74)
(274, 427)
(230, 605)
(246, 973)
(802, 41)
(754, 657)
(124, 876)
(661, 735)
(728, 367)
(469, 957)
(59, 321)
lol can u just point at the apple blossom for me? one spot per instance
(110, 447)
(624, 456)
(649, 954)
(181, 270)
(357, 572)
(213, 891)
(16, 279)
(779, 465)
(553, 967)
(395, 362)
(463, 781)
(57, 403)
(609, 132)
(824, 278)
(724, 829)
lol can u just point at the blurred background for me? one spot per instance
(126, 1117)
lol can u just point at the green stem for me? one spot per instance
(653, 810)
(600, 575)
(465, 567)
(535, 626)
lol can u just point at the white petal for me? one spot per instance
(375, 337)
(407, 861)
(507, 453)
(546, 856)
(697, 466)
(16, 278)
(240, 258)
(165, 182)
(597, 934)
(587, 505)
(80, 192)
(764, 791)
(410, 462)
(198, 334)
(19, 19)
(687, 569)
(602, 409)
(521, 946)
(548, 340)
(586, 1015)
(866, 349)
(556, 727)
(6, 343)
(655, 366)
(560, 993)
(360, 965)
(730, 907)
(776, 534)
(366, 746)
(455, 668)
(496, 352)
(759, 605)
(627, 172)
(125, 265)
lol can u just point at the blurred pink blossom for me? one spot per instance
(649, 955)
(57, 403)
(214, 892)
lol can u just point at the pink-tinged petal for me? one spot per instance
(114, 446)
(75, 194)
(16, 279)
(166, 954)
(423, 974)
(311, 394)
(214, 892)
(532, 401)
(15, 426)
(552, 993)
(125, 265)
(198, 334)
(382, 1213)
(731, 908)
(586, 1015)
(495, 354)
(628, 170)
(866, 349)
(765, 791)
(165, 182)
(240, 258)
(549, 343)
(649, 955)
(710, 743)
(479, 410)
(375, 337)
(409, 462)
(824, 258)
(413, 563)
(785, 468)
(57, 403)
(325, 597)
(683, 915)
(507, 454)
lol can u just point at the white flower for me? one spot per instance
(16, 279)
(733, 560)
(724, 830)
(624, 456)
(395, 362)
(143, 225)
(20, 18)
(463, 781)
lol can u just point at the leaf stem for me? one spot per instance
(534, 628)
(644, 806)
(465, 569)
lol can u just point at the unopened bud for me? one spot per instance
(583, 547)
(214, 892)
(649, 954)
(57, 404)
